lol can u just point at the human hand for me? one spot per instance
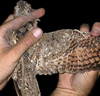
(9, 56)
(79, 84)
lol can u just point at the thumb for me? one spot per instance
(17, 50)
(96, 29)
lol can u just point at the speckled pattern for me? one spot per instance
(60, 51)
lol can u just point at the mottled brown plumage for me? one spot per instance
(60, 51)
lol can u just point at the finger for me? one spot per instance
(10, 17)
(17, 51)
(85, 28)
(38, 13)
(11, 56)
(21, 20)
(96, 29)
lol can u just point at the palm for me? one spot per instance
(80, 83)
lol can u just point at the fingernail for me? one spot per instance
(95, 31)
(37, 32)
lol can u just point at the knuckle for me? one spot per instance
(20, 19)
(28, 39)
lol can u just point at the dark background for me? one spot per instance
(60, 14)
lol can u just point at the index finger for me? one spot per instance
(85, 28)
(21, 20)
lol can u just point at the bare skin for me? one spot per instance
(68, 85)
(79, 84)
(85, 27)
(7, 64)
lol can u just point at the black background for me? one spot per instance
(60, 14)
